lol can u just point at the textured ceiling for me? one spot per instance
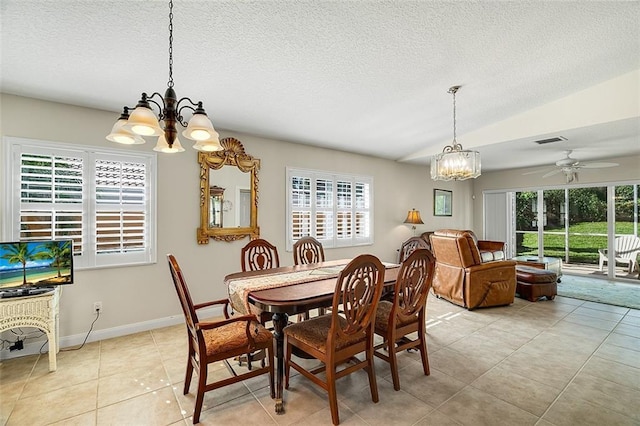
(363, 76)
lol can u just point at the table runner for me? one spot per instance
(239, 288)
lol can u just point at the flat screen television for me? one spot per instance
(34, 267)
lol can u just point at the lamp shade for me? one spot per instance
(120, 135)
(455, 165)
(143, 122)
(208, 145)
(199, 128)
(413, 217)
(163, 146)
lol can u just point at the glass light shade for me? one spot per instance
(120, 135)
(163, 146)
(455, 165)
(413, 217)
(200, 128)
(209, 145)
(144, 122)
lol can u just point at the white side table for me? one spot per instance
(39, 311)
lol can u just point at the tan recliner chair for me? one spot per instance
(462, 278)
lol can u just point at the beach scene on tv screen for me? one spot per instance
(35, 263)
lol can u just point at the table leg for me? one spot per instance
(280, 321)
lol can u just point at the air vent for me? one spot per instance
(551, 140)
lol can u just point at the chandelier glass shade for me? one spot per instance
(143, 121)
(454, 162)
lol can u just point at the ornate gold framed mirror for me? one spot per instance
(228, 193)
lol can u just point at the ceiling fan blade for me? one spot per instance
(537, 171)
(598, 165)
(553, 172)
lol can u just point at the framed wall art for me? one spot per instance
(442, 202)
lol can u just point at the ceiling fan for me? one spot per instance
(570, 167)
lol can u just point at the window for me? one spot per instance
(100, 198)
(335, 209)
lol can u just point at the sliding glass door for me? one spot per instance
(575, 224)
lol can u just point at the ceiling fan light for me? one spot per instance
(144, 122)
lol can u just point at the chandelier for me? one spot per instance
(142, 121)
(455, 163)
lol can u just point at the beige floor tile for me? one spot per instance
(436, 418)
(130, 340)
(608, 315)
(16, 370)
(539, 369)
(613, 371)
(613, 396)
(628, 330)
(114, 361)
(56, 405)
(129, 384)
(393, 407)
(608, 308)
(85, 419)
(491, 350)
(302, 400)
(568, 410)
(245, 410)
(623, 341)
(463, 367)
(477, 408)
(520, 391)
(631, 319)
(584, 332)
(620, 354)
(67, 373)
(634, 313)
(590, 321)
(568, 301)
(154, 408)
(433, 389)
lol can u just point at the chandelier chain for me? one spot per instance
(170, 82)
(454, 115)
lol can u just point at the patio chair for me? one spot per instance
(627, 248)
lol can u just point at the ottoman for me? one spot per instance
(533, 283)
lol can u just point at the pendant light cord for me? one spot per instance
(170, 82)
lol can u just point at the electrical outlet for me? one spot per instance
(97, 307)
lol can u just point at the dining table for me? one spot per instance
(286, 291)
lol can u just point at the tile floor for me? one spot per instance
(562, 362)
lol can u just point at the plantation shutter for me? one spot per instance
(120, 200)
(335, 209)
(51, 198)
(99, 198)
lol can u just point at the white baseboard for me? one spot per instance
(33, 348)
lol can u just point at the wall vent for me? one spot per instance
(551, 140)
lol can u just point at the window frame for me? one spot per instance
(334, 177)
(14, 147)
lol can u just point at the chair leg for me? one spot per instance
(393, 364)
(333, 395)
(187, 377)
(202, 383)
(371, 371)
(425, 357)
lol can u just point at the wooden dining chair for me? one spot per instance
(406, 314)
(259, 254)
(307, 250)
(214, 341)
(336, 338)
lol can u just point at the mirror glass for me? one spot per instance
(228, 189)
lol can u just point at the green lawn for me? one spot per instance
(582, 248)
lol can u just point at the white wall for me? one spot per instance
(628, 171)
(142, 296)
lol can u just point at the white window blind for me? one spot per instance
(333, 208)
(99, 198)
